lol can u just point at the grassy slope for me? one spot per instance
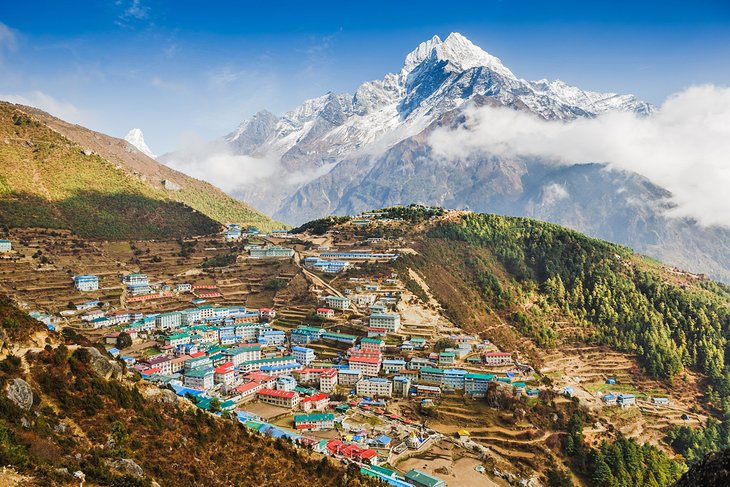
(76, 413)
(197, 194)
(47, 181)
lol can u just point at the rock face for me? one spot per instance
(102, 366)
(20, 392)
(164, 396)
(127, 466)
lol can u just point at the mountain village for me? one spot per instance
(304, 337)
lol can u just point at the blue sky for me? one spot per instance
(180, 68)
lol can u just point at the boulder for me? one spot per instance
(127, 466)
(165, 396)
(21, 394)
(102, 366)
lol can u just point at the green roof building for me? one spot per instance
(420, 478)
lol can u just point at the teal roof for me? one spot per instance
(432, 370)
(422, 478)
(237, 350)
(175, 336)
(303, 418)
(269, 360)
(341, 335)
(310, 329)
(200, 372)
(371, 340)
(480, 376)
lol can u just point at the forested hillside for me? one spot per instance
(533, 275)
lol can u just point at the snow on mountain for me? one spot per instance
(437, 77)
(591, 101)
(136, 138)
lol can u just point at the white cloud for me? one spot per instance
(133, 11)
(552, 193)
(684, 146)
(213, 161)
(61, 109)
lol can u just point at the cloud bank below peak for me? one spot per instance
(683, 147)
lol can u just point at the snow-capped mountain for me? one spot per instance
(136, 138)
(345, 153)
(437, 77)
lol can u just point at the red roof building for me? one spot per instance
(248, 389)
(285, 399)
(316, 402)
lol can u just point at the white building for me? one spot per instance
(206, 312)
(86, 283)
(248, 332)
(370, 366)
(166, 321)
(225, 374)
(363, 299)
(337, 302)
(200, 378)
(238, 355)
(177, 339)
(303, 355)
(328, 380)
(189, 316)
(348, 377)
(498, 358)
(389, 321)
(286, 383)
(5, 245)
(393, 366)
(135, 279)
(374, 386)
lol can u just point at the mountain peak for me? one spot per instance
(136, 138)
(456, 49)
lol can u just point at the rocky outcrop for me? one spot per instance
(102, 366)
(21, 394)
(127, 466)
(164, 396)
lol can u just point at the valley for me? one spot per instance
(515, 428)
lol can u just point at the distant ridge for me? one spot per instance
(58, 175)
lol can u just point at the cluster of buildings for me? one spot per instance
(235, 232)
(623, 400)
(328, 266)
